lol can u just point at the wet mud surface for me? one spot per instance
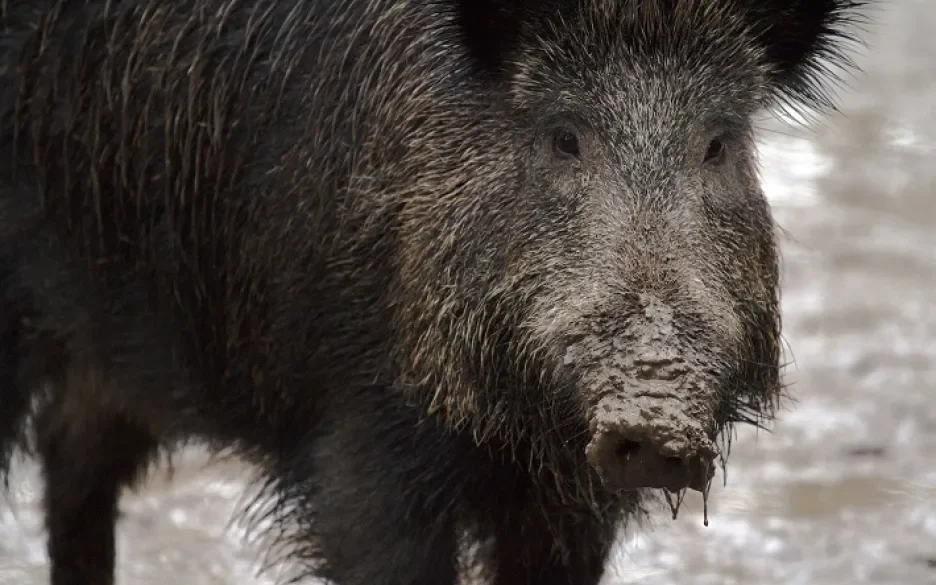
(841, 492)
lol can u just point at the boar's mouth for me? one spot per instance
(658, 406)
(653, 407)
(653, 433)
(652, 426)
(649, 441)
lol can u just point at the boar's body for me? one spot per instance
(432, 266)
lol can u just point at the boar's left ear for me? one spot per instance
(491, 29)
(803, 38)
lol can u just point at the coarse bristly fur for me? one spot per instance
(380, 249)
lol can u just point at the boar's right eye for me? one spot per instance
(566, 144)
(715, 153)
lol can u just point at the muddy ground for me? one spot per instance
(842, 492)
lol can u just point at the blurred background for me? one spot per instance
(841, 492)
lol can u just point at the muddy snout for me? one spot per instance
(648, 441)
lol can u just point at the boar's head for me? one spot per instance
(589, 265)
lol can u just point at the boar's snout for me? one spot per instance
(651, 439)
(632, 460)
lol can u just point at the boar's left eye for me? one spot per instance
(566, 143)
(715, 153)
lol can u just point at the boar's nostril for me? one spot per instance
(625, 462)
(627, 449)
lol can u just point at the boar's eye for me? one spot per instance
(566, 143)
(715, 153)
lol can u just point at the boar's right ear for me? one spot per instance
(803, 39)
(491, 28)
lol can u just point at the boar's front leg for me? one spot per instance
(385, 511)
(88, 457)
(530, 552)
(90, 446)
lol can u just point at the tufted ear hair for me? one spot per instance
(804, 40)
(491, 28)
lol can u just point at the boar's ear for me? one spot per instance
(803, 40)
(491, 28)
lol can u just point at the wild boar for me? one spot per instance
(434, 267)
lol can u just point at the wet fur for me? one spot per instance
(231, 221)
